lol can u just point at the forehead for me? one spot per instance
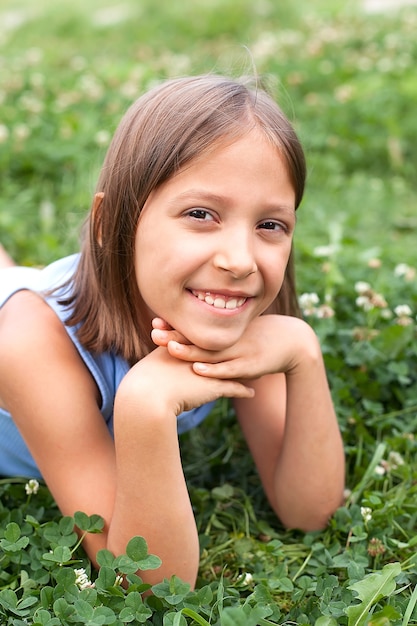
(237, 147)
(247, 171)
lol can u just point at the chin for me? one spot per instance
(214, 344)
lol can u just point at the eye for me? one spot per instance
(200, 214)
(272, 225)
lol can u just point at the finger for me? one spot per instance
(234, 369)
(163, 337)
(160, 323)
(191, 353)
(235, 389)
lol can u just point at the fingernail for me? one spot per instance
(200, 367)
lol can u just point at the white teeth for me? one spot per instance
(219, 302)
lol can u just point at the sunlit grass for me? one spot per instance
(69, 70)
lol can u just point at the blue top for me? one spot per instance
(107, 368)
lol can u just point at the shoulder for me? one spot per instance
(27, 320)
(35, 345)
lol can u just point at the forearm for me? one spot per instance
(309, 472)
(151, 495)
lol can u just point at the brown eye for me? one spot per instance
(270, 225)
(200, 214)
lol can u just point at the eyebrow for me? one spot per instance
(208, 196)
(198, 194)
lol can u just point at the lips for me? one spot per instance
(219, 301)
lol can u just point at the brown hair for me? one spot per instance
(160, 133)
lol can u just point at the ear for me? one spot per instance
(96, 217)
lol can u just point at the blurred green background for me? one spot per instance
(346, 77)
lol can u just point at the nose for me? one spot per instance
(236, 254)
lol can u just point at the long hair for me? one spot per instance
(161, 132)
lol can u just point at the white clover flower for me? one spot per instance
(403, 313)
(362, 287)
(102, 138)
(325, 311)
(32, 487)
(31, 103)
(379, 301)
(81, 579)
(325, 251)
(308, 300)
(402, 270)
(380, 470)
(344, 93)
(366, 513)
(118, 581)
(78, 63)
(386, 314)
(395, 460)
(363, 302)
(246, 578)
(4, 133)
(34, 56)
(403, 310)
(21, 131)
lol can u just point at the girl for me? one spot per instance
(183, 293)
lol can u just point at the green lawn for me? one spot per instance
(68, 71)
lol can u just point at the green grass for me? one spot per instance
(68, 71)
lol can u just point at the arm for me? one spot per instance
(292, 433)
(136, 485)
(289, 424)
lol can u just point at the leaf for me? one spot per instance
(174, 619)
(84, 610)
(12, 532)
(60, 555)
(13, 541)
(135, 609)
(66, 525)
(225, 492)
(370, 590)
(63, 610)
(137, 549)
(150, 562)
(65, 577)
(173, 591)
(410, 607)
(124, 564)
(195, 616)
(234, 616)
(82, 520)
(44, 618)
(106, 577)
(8, 599)
(15, 546)
(105, 558)
(325, 621)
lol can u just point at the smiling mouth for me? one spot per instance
(219, 301)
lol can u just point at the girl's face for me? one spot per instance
(213, 242)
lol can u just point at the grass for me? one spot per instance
(68, 71)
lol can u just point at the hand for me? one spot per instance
(169, 384)
(270, 344)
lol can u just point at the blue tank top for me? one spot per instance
(107, 368)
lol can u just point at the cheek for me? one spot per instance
(274, 271)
